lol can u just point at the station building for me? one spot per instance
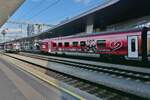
(110, 16)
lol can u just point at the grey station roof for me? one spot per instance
(93, 10)
(110, 12)
(7, 8)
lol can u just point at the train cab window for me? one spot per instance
(66, 44)
(133, 45)
(59, 44)
(82, 43)
(74, 44)
(101, 43)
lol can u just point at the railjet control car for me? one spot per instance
(121, 44)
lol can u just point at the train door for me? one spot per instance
(49, 47)
(133, 47)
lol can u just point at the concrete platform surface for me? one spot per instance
(66, 90)
(131, 86)
(18, 85)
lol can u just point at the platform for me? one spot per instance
(18, 85)
(123, 84)
(43, 84)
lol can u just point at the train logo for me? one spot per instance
(115, 45)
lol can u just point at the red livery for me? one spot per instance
(125, 43)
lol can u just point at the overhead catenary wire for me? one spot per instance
(44, 9)
(33, 8)
(81, 11)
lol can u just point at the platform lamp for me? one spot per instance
(4, 32)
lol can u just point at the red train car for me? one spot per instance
(44, 45)
(122, 43)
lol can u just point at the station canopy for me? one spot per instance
(7, 8)
(111, 12)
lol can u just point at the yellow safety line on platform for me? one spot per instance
(49, 82)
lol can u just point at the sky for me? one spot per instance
(50, 12)
(57, 11)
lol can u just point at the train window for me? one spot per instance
(133, 45)
(54, 45)
(66, 44)
(82, 43)
(101, 43)
(75, 44)
(59, 44)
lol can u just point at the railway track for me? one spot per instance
(121, 73)
(89, 87)
(136, 63)
(101, 91)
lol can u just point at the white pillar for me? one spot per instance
(89, 24)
